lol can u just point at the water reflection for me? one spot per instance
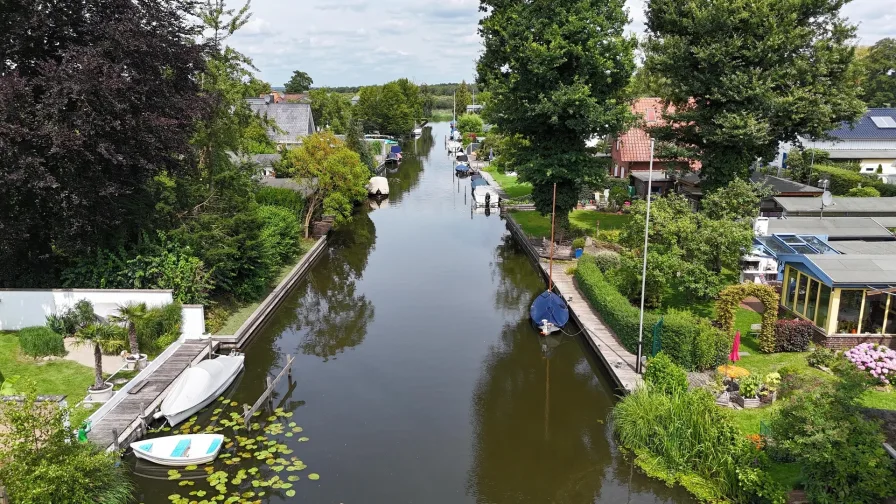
(406, 176)
(513, 274)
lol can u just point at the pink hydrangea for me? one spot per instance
(878, 360)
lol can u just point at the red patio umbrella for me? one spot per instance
(734, 356)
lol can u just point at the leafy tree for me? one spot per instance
(462, 98)
(427, 100)
(331, 110)
(800, 162)
(131, 314)
(42, 462)
(103, 81)
(557, 73)
(256, 87)
(354, 140)
(338, 174)
(388, 108)
(744, 76)
(863, 192)
(469, 123)
(879, 69)
(299, 82)
(647, 84)
(737, 201)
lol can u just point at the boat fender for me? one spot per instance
(157, 415)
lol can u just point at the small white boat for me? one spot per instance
(485, 196)
(417, 132)
(454, 147)
(180, 451)
(378, 186)
(199, 385)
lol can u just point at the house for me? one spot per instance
(630, 151)
(871, 143)
(688, 185)
(294, 120)
(842, 207)
(279, 97)
(356, 99)
(474, 109)
(833, 228)
(660, 182)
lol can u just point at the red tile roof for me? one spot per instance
(634, 145)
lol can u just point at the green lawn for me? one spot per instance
(58, 377)
(509, 183)
(239, 314)
(584, 222)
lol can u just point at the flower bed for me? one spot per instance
(877, 360)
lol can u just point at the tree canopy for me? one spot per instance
(331, 110)
(299, 82)
(336, 176)
(462, 98)
(557, 73)
(879, 74)
(391, 109)
(745, 76)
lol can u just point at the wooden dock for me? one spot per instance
(144, 397)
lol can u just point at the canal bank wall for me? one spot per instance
(618, 361)
(266, 309)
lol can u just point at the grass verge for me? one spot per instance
(240, 313)
(509, 183)
(583, 222)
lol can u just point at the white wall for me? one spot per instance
(24, 308)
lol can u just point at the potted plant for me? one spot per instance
(130, 314)
(770, 385)
(748, 397)
(579, 246)
(104, 338)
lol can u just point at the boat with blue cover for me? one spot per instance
(180, 451)
(549, 311)
(462, 169)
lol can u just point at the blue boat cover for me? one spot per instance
(461, 167)
(474, 183)
(551, 307)
(396, 148)
(475, 176)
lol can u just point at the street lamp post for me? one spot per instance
(644, 269)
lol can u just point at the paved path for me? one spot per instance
(124, 416)
(619, 361)
(83, 354)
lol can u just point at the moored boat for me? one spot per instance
(180, 451)
(549, 311)
(378, 186)
(199, 385)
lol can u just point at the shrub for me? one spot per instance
(772, 381)
(281, 232)
(711, 346)
(578, 243)
(685, 438)
(40, 341)
(821, 356)
(863, 192)
(282, 198)
(793, 335)
(69, 320)
(841, 179)
(681, 337)
(606, 260)
(160, 327)
(749, 386)
(840, 452)
(665, 376)
(877, 360)
(609, 235)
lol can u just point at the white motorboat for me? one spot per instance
(417, 132)
(199, 385)
(180, 451)
(378, 186)
(454, 147)
(485, 196)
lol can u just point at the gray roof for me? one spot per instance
(782, 185)
(836, 152)
(842, 205)
(644, 176)
(887, 222)
(833, 227)
(857, 269)
(294, 119)
(266, 160)
(858, 247)
(865, 128)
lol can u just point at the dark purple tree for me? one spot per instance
(97, 98)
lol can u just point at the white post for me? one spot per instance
(644, 269)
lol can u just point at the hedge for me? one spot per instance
(690, 341)
(793, 335)
(281, 197)
(842, 179)
(41, 341)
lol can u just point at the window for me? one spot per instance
(873, 314)
(884, 122)
(824, 301)
(850, 307)
(802, 285)
(812, 299)
(790, 287)
(890, 326)
(651, 115)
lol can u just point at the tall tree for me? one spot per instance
(427, 100)
(879, 74)
(462, 98)
(331, 110)
(85, 88)
(557, 73)
(389, 109)
(745, 76)
(299, 82)
(339, 178)
(256, 87)
(354, 140)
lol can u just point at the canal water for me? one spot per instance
(418, 377)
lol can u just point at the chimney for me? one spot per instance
(269, 99)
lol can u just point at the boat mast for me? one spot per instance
(551, 263)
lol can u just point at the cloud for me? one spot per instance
(356, 42)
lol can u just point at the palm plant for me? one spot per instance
(104, 338)
(131, 314)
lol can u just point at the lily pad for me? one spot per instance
(314, 476)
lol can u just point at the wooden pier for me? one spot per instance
(123, 423)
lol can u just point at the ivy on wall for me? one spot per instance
(730, 299)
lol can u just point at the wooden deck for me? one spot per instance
(125, 416)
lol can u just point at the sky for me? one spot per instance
(359, 42)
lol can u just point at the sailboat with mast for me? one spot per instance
(549, 311)
(454, 144)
